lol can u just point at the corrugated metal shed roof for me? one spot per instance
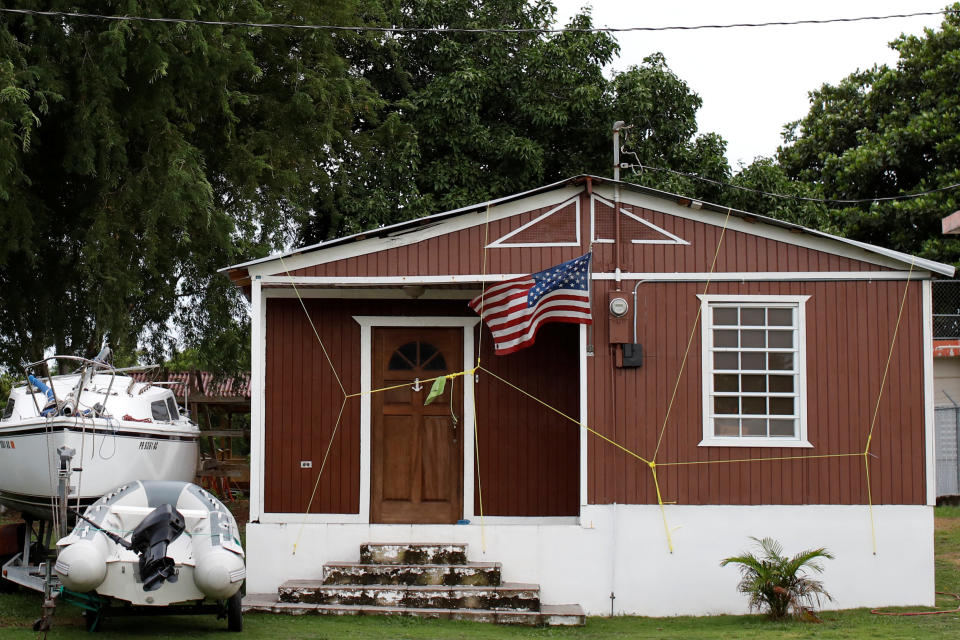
(202, 383)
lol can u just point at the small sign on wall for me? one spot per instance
(306, 464)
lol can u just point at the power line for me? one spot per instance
(507, 30)
(786, 196)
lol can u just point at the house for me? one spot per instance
(742, 377)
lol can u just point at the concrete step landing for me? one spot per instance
(413, 553)
(512, 596)
(468, 573)
(549, 615)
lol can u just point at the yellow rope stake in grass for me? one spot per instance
(319, 474)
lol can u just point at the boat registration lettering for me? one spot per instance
(7, 444)
(149, 445)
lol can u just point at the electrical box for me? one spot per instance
(631, 354)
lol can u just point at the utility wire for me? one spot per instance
(785, 196)
(533, 30)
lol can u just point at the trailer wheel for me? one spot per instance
(235, 612)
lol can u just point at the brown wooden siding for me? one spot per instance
(461, 252)
(530, 456)
(301, 403)
(529, 459)
(849, 326)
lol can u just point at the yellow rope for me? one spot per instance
(314, 327)
(320, 473)
(776, 458)
(693, 332)
(483, 279)
(873, 526)
(650, 463)
(448, 376)
(476, 451)
(886, 368)
(573, 420)
(663, 511)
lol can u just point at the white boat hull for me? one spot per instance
(108, 453)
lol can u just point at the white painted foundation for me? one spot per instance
(623, 549)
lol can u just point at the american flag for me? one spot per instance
(515, 309)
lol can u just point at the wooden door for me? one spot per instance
(416, 455)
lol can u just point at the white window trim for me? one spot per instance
(706, 325)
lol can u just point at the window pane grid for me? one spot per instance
(754, 378)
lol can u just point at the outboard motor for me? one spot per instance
(150, 540)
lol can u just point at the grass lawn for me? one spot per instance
(18, 610)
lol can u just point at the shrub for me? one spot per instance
(778, 583)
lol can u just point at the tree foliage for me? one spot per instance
(888, 131)
(476, 116)
(138, 158)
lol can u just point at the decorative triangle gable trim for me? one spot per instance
(666, 236)
(504, 241)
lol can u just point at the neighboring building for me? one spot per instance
(946, 382)
(792, 344)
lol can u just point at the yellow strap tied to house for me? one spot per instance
(651, 463)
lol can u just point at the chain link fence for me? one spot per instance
(948, 460)
(946, 309)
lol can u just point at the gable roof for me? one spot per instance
(239, 273)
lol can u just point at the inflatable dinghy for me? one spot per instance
(155, 543)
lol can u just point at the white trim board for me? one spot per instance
(929, 422)
(258, 332)
(276, 283)
(371, 293)
(772, 276)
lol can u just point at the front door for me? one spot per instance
(416, 455)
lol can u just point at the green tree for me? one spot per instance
(482, 115)
(137, 158)
(888, 131)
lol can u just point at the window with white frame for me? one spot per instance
(754, 371)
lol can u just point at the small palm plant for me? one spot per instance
(779, 583)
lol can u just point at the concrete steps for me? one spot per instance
(430, 580)
(515, 596)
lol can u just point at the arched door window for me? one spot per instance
(417, 355)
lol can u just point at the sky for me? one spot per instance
(753, 81)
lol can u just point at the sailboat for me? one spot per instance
(96, 425)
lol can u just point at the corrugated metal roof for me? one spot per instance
(203, 383)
